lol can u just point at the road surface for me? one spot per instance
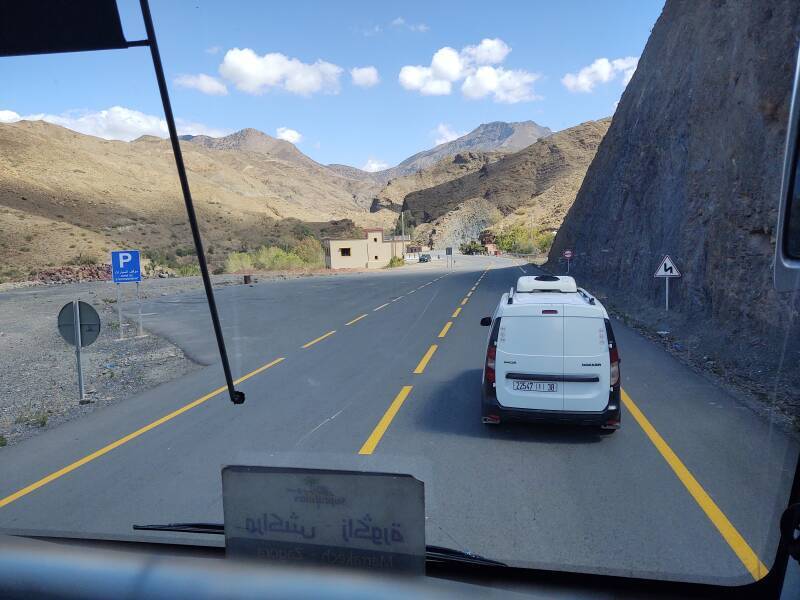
(383, 371)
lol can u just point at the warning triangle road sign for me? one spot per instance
(667, 268)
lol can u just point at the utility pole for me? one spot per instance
(403, 232)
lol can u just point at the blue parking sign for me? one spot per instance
(125, 266)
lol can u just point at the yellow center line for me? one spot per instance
(124, 440)
(380, 307)
(734, 539)
(425, 359)
(445, 329)
(464, 301)
(455, 312)
(386, 419)
(356, 320)
(319, 339)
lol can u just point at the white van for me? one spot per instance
(551, 356)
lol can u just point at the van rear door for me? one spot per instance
(530, 362)
(586, 360)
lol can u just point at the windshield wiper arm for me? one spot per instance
(438, 554)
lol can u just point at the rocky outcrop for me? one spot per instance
(691, 167)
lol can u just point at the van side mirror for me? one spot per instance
(486, 321)
(787, 248)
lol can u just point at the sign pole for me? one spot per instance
(77, 318)
(119, 314)
(666, 281)
(139, 304)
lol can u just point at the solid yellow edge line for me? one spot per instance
(124, 440)
(358, 318)
(734, 539)
(425, 359)
(386, 420)
(445, 329)
(455, 312)
(319, 339)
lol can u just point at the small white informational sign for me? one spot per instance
(370, 521)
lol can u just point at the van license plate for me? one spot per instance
(534, 386)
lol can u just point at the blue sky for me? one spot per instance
(286, 66)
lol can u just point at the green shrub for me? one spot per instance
(238, 262)
(544, 240)
(3, 441)
(396, 261)
(83, 259)
(188, 270)
(309, 249)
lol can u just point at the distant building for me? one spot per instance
(491, 249)
(373, 251)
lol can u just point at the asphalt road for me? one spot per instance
(691, 487)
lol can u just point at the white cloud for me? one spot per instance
(115, 123)
(374, 164)
(365, 76)
(600, 71)
(488, 52)
(290, 135)
(255, 74)
(213, 50)
(444, 133)
(203, 83)
(472, 65)
(415, 27)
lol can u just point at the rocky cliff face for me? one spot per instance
(691, 167)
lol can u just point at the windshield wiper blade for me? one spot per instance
(438, 554)
(449, 555)
(213, 528)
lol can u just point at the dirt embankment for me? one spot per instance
(691, 167)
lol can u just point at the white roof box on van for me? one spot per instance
(546, 283)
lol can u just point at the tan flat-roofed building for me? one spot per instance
(373, 251)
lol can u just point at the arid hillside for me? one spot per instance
(536, 185)
(66, 196)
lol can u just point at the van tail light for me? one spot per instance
(491, 357)
(614, 359)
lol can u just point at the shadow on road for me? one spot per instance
(455, 408)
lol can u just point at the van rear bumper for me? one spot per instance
(608, 417)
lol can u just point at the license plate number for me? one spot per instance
(534, 386)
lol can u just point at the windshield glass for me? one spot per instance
(370, 181)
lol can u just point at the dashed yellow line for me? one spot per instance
(131, 436)
(356, 320)
(734, 539)
(445, 329)
(455, 312)
(464, 301)
(425, 360)
(319, 339)
(386, 420)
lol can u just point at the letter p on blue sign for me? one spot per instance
(125, 266)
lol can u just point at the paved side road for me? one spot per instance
(369, 373)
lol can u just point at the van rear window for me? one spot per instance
(538, 336)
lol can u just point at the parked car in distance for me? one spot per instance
(551, 356)
(424, 258)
